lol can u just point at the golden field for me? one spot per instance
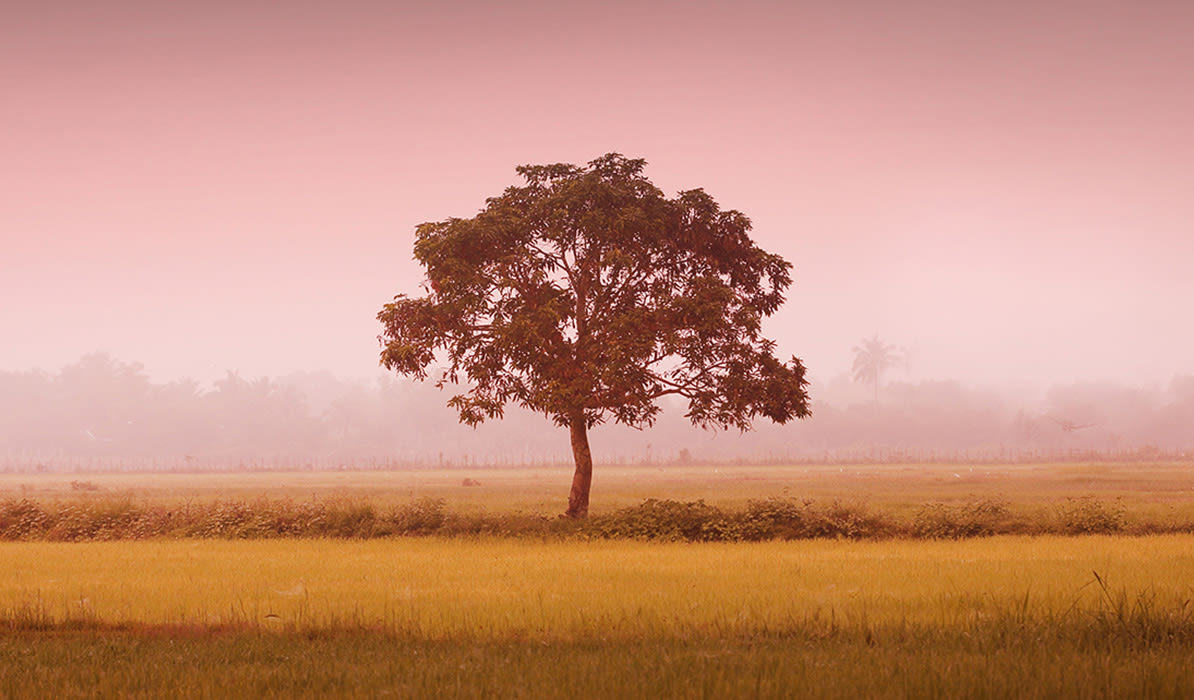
(545, 614)
(1145, 486)
(499, 589)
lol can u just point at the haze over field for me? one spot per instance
(103, 413)
(1002, 188)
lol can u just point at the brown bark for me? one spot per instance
(578, 497)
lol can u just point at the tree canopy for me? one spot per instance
(586, 294)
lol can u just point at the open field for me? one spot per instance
(498, 590)
(1005, 616)
(996, 617)
(1144, 487)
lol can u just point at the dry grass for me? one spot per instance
(495, 590)
(1144, 487)
(996, 617)
(478, 616)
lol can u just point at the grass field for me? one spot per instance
(1146, 487)
(493, 590)
(501, 618)
(1090, 616)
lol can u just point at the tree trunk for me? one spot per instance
(578, 497)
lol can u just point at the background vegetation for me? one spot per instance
(105, 414)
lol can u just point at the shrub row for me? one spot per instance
(786, 519)
(662, 520)
(26, 519)
(769, 519)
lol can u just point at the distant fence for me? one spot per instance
(62, 464)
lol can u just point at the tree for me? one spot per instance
(586, 294)
(873, 357)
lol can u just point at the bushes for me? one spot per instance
(786, 519)
(1090, 516)
(979, 518)
(655, 520)
(670, 521)
(112, 520)
(771, 519)
(421, 517)
(22, 519)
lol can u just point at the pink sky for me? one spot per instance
(1005, 189)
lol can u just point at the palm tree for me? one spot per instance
(873, 357)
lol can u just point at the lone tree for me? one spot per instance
(873, 357)
(586, 294)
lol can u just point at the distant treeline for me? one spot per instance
(105, 413)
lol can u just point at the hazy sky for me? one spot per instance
(1005, 188)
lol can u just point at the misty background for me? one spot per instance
(193, 188)
(102, 413)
